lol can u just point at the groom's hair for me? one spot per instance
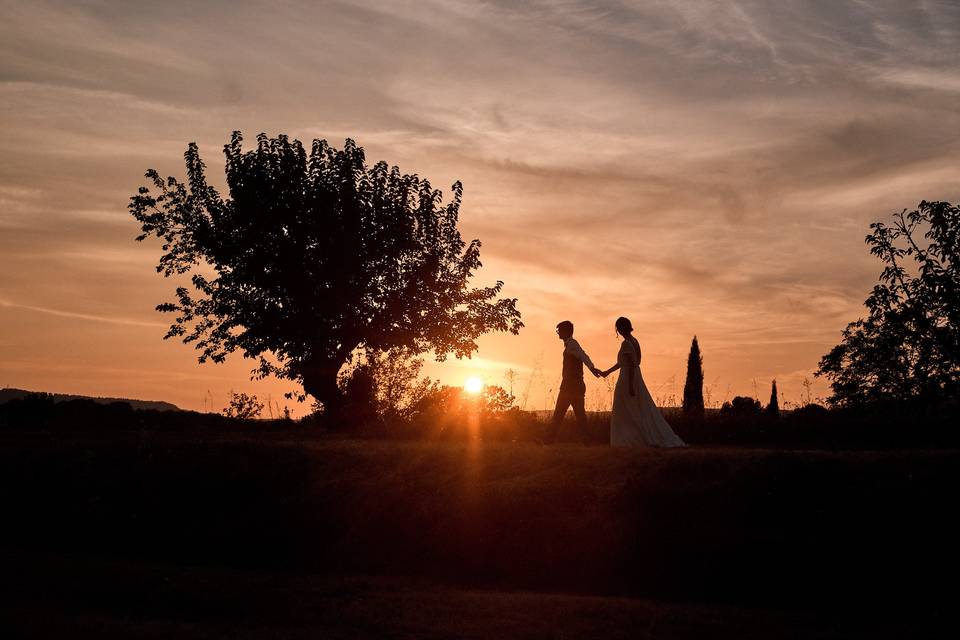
(566, 325)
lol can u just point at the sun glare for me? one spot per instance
(473, 385)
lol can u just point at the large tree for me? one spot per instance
(908, 346)
(312, 256)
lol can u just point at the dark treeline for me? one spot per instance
(888, 425)
(41, 412)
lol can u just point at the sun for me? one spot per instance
(473, 385)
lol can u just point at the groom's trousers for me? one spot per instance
(570, 396)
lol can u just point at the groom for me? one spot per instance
(572, 388)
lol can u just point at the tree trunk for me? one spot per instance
(320, 381)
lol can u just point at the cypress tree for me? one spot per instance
(774, 407)
(693, 387)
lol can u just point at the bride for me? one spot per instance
(636, 419)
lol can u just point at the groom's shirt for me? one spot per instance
(574, 357)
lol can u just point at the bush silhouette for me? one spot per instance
(243, 407)
(740, 406)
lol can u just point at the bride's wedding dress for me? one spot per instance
(636, 419)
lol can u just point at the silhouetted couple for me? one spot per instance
(635, 420)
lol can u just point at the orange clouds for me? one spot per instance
(702, 168)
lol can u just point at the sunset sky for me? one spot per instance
(703, 168)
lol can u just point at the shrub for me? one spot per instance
(243, 407)
(740, 406)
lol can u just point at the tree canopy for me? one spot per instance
(908, 346)
(313, 255)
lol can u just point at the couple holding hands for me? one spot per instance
(635, 421)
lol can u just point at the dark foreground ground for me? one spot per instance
(53, 596)
(147, 536)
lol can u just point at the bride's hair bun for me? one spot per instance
(623, 325)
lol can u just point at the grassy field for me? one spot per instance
(355, 538)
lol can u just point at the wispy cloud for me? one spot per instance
(80, 316)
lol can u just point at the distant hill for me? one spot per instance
(7, 395)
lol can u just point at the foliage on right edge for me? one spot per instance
(908, 347)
